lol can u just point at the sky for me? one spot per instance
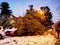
(19, 7)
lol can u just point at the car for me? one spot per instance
(11, 32)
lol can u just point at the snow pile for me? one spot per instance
(2, 31)
(29, 40)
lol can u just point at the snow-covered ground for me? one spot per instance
(29, 40)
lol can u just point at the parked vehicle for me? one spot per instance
(11, 32)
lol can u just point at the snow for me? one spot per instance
(2, 31)
(29, 40)
(13, 29)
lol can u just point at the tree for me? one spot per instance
(5, 12)
(33, 26)
(31, 7)
(27, 25)
(44, 16)
(57, 27)
(48, 16)
(34, 22)
(5, 9)
(19, 24)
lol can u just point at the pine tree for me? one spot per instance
(5, 9)
(5, 12)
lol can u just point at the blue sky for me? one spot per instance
(19, 7)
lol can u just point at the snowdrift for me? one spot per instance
(29, 40)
